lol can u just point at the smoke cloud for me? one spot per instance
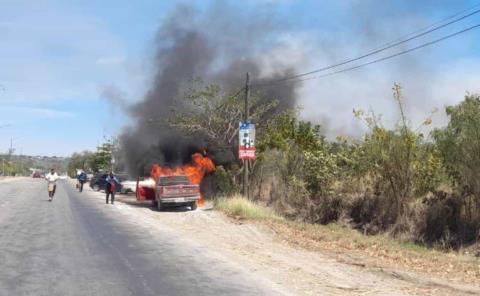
(217, 45)
(114, 96)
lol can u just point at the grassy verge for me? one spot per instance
(241, 208)
(374, 251)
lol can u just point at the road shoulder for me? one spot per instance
(274, 259)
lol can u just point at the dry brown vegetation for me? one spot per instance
(377, 251)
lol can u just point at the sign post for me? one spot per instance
(246, 149)
(245, 139)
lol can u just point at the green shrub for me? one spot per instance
(225, 182)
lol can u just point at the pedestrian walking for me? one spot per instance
(82, 178)
(51, 178)
(112, 183)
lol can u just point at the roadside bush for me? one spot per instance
(327, 209)
(372, 214)
(400, 166)
(298, 186)
(224, 182)
(459, 146)
(299, 168)
(276, 181)
(430, 172)
(443, 220)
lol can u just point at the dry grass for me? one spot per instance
(239, 207)
(375, 251)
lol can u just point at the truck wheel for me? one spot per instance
(159, 206)
(193, 205)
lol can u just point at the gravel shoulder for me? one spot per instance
(295, 270)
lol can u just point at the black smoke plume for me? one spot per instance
(218, 45)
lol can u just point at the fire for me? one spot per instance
(196, 171)
(201, 202)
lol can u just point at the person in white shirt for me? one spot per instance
(51, 178)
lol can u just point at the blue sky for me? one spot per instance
(56, 57)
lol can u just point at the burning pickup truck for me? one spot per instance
(178, 186)
(170, 191)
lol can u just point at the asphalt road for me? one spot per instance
(78, 245)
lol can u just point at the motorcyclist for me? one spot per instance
(112, 183)
(51, 178)
(82, 178)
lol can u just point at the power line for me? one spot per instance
(429, 26)
(369, 53)
(384, 58)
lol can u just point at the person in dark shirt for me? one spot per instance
(82, 178)
(112, 183)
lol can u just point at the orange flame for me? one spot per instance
(201, 201)
(196, 171)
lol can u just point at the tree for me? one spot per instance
(459, 144)
(79, 161)
(212, 113)
(399, 162)
(101, 160)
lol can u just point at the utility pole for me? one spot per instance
(246, 119)
(21, 161)
(113, 147)
(10, 151)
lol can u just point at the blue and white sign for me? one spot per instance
(246, 140)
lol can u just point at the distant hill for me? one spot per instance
(21, 164)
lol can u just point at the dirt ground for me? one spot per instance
(296, 270)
